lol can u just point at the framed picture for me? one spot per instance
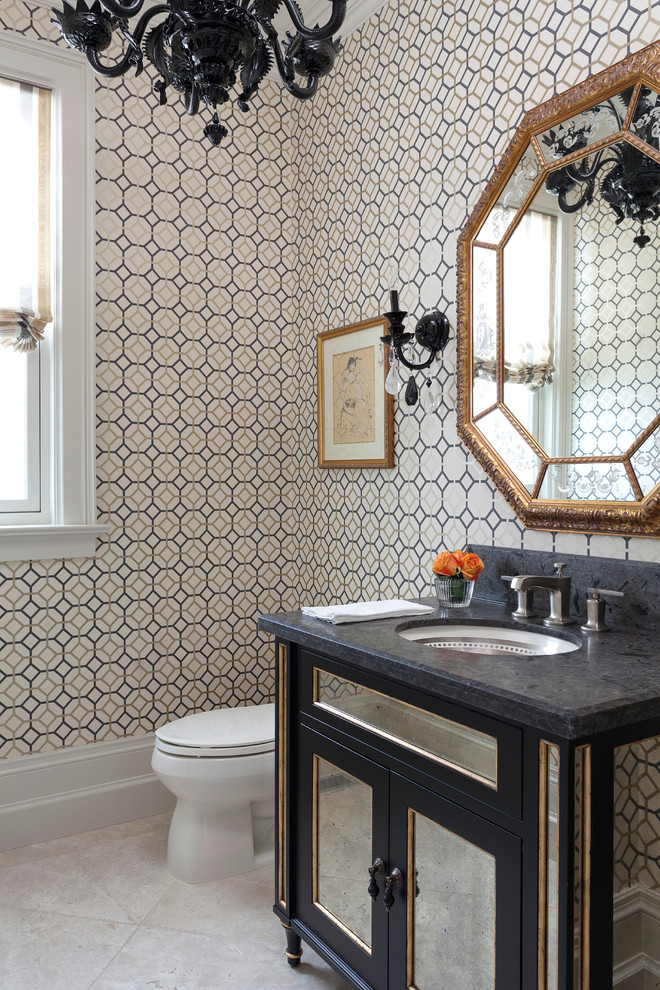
(356, 415)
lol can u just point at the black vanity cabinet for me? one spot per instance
(505, 810)
(402, 833)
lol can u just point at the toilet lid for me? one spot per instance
(225, 731)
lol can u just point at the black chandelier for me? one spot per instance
(199, 47)
(631, 179)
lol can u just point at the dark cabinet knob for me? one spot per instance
(395, 877)
(378, 867)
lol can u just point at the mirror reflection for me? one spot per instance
(559, 331)
(580, 346)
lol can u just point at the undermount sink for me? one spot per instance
(480, 640)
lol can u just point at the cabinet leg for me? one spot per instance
(293, 950)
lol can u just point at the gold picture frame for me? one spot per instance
(356, 414)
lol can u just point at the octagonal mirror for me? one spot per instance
(559, 310)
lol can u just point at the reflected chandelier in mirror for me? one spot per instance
(559, 312)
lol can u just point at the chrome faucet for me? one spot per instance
(559, 587)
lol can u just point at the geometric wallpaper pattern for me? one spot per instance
(194, 437)
(212, 283)
(637, 815)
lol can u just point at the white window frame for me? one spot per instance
(68, 526)
(554, 406)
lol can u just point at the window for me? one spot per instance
(47, 503)
(25, 290)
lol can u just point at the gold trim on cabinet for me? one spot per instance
(281, 774)
(543, 864)
(544, 886)
(315, 829)
(343, 928)
(328, 707)
(585, 863)
(410, 902)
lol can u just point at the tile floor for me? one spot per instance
(99, 910)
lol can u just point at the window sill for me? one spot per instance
(48, 542)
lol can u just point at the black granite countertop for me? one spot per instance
(611, 681)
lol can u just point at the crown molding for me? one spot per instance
(357, 13)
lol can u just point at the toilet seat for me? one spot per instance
(225, 732)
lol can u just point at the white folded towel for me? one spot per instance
(362, 611)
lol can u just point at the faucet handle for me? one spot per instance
(560, 568)
(595, 593)
(596, 609)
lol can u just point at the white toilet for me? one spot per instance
(220, 766)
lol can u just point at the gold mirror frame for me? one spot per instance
(639, 518)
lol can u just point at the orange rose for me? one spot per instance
(472, 566)
(447, 564)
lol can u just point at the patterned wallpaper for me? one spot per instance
(637, 815)
(196, 434)
(394, 160)
(206, 361)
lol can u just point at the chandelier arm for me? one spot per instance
(303, 92)
(615, 110)
(590, 176)
(134, 55)
(147, 17)
(121, 9)
(574, 172)
(587, 179)
(192, 100)
(286, 72)
(318, 33)
(111, 71)
(586, 197)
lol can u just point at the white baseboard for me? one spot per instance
(78, 789)
(636, 937)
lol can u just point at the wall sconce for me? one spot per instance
(431, 333)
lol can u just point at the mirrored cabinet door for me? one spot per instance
(343, 831)
(445, 896)
(460, 905)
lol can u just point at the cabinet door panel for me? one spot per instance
(342, 829)
(344, 812)
(459, 899)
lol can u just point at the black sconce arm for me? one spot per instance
(431, 332)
